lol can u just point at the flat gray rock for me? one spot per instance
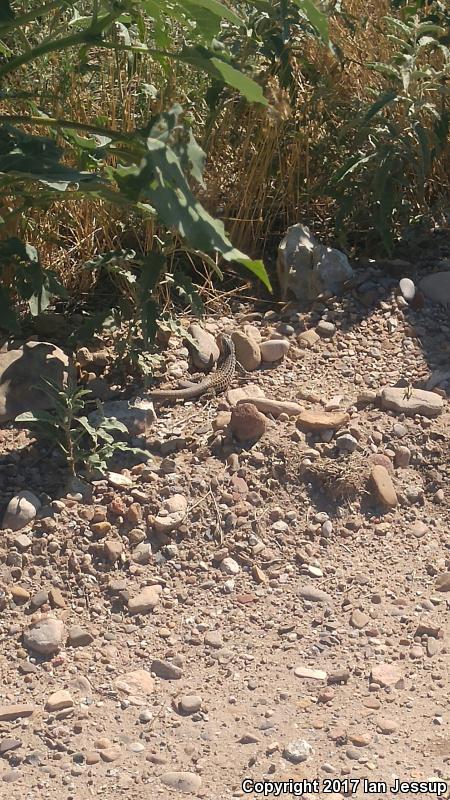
(313, 594)
(21, 371)
(418, 401)
(437, 287)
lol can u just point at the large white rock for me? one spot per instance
(21, 510)
(306, 268)
(45, 636)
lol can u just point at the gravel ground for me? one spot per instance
(292, 626)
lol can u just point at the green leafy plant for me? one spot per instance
(397, 138)
(87, 448)
(148, 171)
(22, 274)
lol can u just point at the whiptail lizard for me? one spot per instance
(217, 381)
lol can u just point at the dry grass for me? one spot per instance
(266, 168)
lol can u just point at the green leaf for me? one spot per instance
(201, 58)
(430, 27)
(36, 417)
(160, 179)
(219, 10)
(113, 424)
(6, 13)
(385, 69)
(84, 422)
(315, 17)
(382, 102)
(245, 85)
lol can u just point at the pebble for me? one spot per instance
(229, 566)
(347, 442)
(9, 713)
(314, 594)
(326, 329)
(120, 481)
(308, 339)
(407, 288)
(138, 683)
(384, 488)
(166, 670)
(183, 782)
(274, 349)
(39, 599)
(45, 636)
(402, 457)
(190, 703)
(79, 637)
(110, 754)
(359, 619)
(58, 701)
(297, 751)
(443, 582)
(307, 672)
(387, 726)
(322, 420)
(437, 287)
(273, 407)
(145, 601)
(20, 594)
(204, 351)
(173, 512)
(213, 639)
(8, 744)
(22, 541)
(387, 675)
(113, 550)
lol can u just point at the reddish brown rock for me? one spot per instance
(247, 423)
(383, 486)
(322, 420)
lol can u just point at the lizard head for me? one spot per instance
(225, 343)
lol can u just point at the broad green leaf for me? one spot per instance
(207, 25)
(161, 180)
(35, 417)
(424, 41)
(245, 85)
(84, 422)
(255, 266)
(430, 27)
(315, 17)
(399, 25)
(220, 10)
(219, 69)
(113, 424)
(382, 102)
(385, 69)
(39, 302)
(425, 149)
